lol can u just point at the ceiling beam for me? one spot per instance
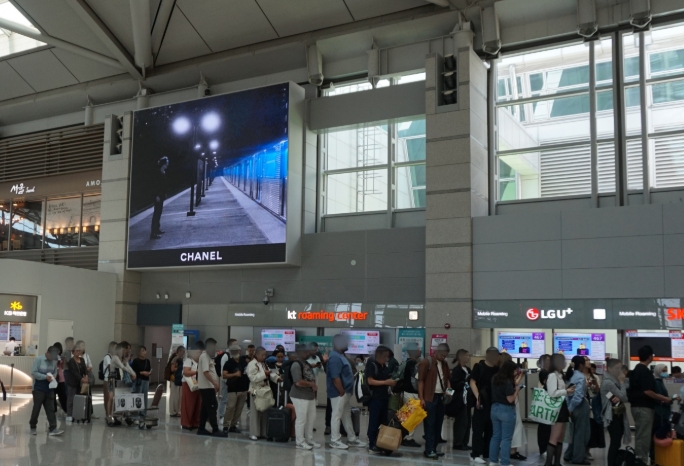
(103, 33)
(59, 43)
(161, 22)
(142, 35)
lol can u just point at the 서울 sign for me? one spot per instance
(18, 308)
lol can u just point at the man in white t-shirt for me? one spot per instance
(11, 346)
(207, 381)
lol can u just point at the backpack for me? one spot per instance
(414, 376)
(399, 376)
(361, 388)
(101, 369)
(287, 374)
(167, 369)
(217, 364)
(625, 457)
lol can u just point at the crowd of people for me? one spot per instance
(211, 388)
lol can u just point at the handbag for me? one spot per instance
(263, 396)
(411, 415)
(85, 388)
(447, 397)
(545, 409)
(192, 383)
(389, 438)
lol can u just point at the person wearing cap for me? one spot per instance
(303, 395)
(481, 385)
(43, 370)
(237, 386)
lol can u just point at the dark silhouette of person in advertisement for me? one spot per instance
(159, 185)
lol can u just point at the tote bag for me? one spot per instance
(263, 396)
(544, 409)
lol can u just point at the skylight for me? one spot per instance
(11, 42)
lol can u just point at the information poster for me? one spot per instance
(677, 345)
(411, 335)
(15, 331)
(4, 332)
(436, 340)
(362, 341)
(522, 345)
(271, 338)
(592, 345)
(177, 336)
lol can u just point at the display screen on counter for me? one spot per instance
(592, 345)
(209, 181)
(362, 341)
(522, 345)
(270, 338)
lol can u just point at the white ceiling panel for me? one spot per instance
(43, 71)
(117, 16)
(296, 16)
(181, 41)
(84, 69)
(59, 20)
(227, 24)
(12, 84)
(364, 9)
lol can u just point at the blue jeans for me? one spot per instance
(503, 422)
(141, 386)
(433, 422)
(377, 415)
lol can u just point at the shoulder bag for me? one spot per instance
(192, 382)
(263, 396)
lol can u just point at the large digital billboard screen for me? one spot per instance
(209, 181)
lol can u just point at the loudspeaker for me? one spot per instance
(491, 34)
(586, 18)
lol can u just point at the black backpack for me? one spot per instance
(217, 364)
(625, 457)
(101, 369)
(287, 374)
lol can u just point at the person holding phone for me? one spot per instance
(578, 406)
(614, 396)
(506, 384)
(555, 384)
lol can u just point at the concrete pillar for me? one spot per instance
(113, 231)
(457, 190)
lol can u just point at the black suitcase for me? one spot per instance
(278, 422)
(356, 420)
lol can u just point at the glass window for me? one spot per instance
(91, 221)
(361, 147)
(27, 224)
(349, 88)
(11, 42)
(411, 141)
(4, 224)
(362, 191)
(411, 187)
(411, 78)
(62, 222)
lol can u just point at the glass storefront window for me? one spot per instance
(63, 222)
(91, 221)
(4, 224)
(27, 224)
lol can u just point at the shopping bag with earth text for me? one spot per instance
(544, 409)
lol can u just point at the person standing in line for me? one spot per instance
(61, 390)
(77, 375)
(303, 395)
(91, 375)
(459, 377)
(117, 367)
(614, 410)
(340, 385)
(190, 399)
(259, 375)
(519, 438)
(106, 361)
(556, 388)
(208, 388)
(223, 396)
(643, 398)
(543, 430)
(176, 382)
(237, 385)
(481, 385)
(379, 380)
(159, 185)
(579, 412)
(414, 353)
(43, 373)
(142, 368)
(663, 412)
(68, 346)
(247, 358)
(505, 390)
(433, 382)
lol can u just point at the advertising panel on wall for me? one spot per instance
(217, 181)
(621, 314)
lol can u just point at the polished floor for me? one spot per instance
(96, 444)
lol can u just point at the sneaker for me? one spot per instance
(357, 443)
(431, 456)
(327, 431)
(477, 460)
(220, 434)
(440, 453)
(410, 443)
(339, 445)
(69, 419)
(304, 446)
(314, 444)
(93, 416)
(235, 430)
(203, 432)
(375, 451)
(55, 432)
(253, 437)
(588, 456)
(34, 431)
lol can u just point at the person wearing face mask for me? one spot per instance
(614, 412)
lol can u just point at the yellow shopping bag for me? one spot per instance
(411, 414)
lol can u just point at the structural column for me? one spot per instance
(457, 190)
(114, 227)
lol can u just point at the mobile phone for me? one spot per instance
(570, 386)
(450, 391)
(521, 386)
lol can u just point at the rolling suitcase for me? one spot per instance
(670, 456)
(278, 422)
(356, 420)
(81, 408)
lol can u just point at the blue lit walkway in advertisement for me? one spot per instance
(225, 217)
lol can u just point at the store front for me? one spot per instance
(50, 213)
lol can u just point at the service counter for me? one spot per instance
(22, 371)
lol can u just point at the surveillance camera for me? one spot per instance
(207, 92)
(265, 300)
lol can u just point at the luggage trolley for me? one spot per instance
(126, 405)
